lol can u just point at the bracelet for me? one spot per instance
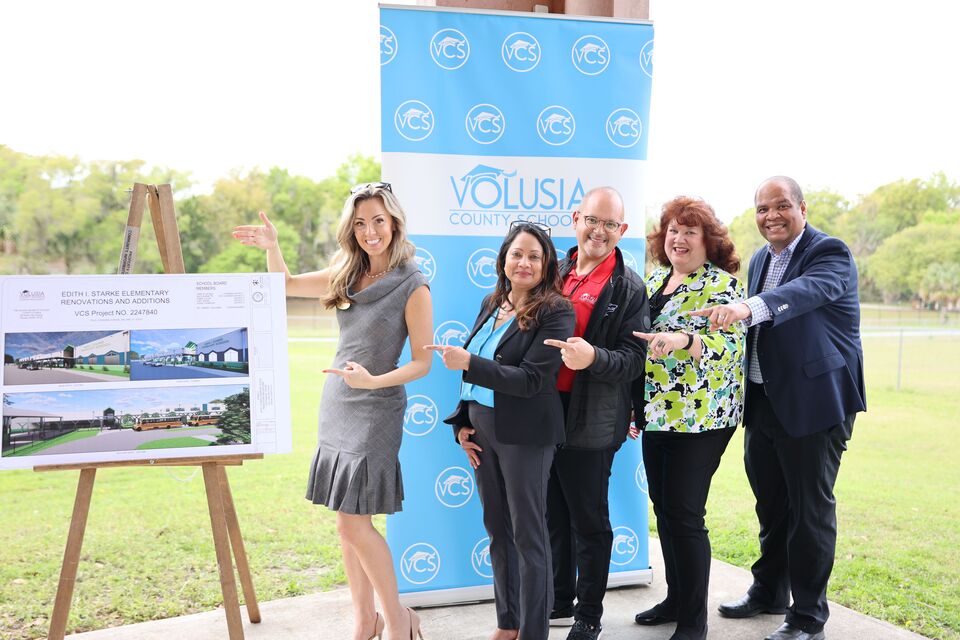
(689, 341)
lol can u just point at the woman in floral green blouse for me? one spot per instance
(694, 398)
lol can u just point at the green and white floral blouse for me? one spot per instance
(685, 395)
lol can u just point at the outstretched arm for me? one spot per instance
(305, 285)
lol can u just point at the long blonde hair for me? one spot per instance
(351, 261)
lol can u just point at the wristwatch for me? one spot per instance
(689, 341)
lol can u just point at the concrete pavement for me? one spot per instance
(327, 616)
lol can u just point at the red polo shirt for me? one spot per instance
(583, 292)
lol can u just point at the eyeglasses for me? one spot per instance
(530, 223)
(354, 190)
(608, 225)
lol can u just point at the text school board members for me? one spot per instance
(356, 471)
(601, 360)
(805, 387)
(693, 399)
(509, 421)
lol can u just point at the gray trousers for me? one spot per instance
(512, 483)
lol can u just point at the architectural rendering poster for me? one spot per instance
(101, 368)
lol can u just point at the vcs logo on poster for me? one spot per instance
(624, 128)
(482, 268)
(388, 46)
(421, 415)
(414, 120)
(646, 59)
(556, 126)
(480, 558)
(630, 261)
(426, 263)
(520, 52)
(420, 563)
(591, 55)
(454, 487)
(626, 544)
(451, 334)
(450, 49)
(485, 123)
(640, 477)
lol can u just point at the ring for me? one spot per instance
(563, 353)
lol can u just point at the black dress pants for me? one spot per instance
(512, 483)
(679, 469)
(793, 479)
(581, 538)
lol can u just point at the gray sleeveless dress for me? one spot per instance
(356, 469)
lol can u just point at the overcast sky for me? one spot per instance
(845, 94)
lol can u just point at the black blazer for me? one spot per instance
(523, 377)
(809, 351)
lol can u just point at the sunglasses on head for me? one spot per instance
(386, 186)
(528, 223)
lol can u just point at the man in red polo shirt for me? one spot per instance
(601, 361)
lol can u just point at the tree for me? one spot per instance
(940, 285)
(235, 421)
(900, 264)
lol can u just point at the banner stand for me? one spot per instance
(223, 514)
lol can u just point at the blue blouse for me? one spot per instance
(484, 344)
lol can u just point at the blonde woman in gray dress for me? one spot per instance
(355, 471)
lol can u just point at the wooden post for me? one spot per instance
(71, 556)
(221, 542)
(239, 551)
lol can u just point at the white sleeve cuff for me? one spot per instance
(759, 311)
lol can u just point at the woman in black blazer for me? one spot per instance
(510, 420)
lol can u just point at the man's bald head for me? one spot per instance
(791, 185)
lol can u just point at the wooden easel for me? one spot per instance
(223, 515)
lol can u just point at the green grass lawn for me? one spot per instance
(37, 447)
(174, 443)
(898, 494)
(148, 551)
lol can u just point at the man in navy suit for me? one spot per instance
(805, 371)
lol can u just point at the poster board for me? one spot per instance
(106, 369)
(488, 118)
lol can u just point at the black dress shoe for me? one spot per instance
(652, 617)
(747, 607)
(789, 632)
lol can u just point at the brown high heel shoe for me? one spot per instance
(414, 625)
(378, 625)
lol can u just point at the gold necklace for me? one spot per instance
(374, 276)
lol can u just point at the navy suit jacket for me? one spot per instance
(810, 352)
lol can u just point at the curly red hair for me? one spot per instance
(694, 212)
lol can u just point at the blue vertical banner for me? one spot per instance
(488, 118)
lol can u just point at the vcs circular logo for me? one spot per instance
(454, 487)
(485, 123)
(520, 52)
(591, 55)
(413, 120)
(388, 45)
(482, 268)
(426, 263)
(646, 58)
(556, 126)
(450, 49)
(451, 334)
(629, 261)
(624, 128)
(640, 477)
(420, 563)
(421, 415)
(480, 558)
(626, 544)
